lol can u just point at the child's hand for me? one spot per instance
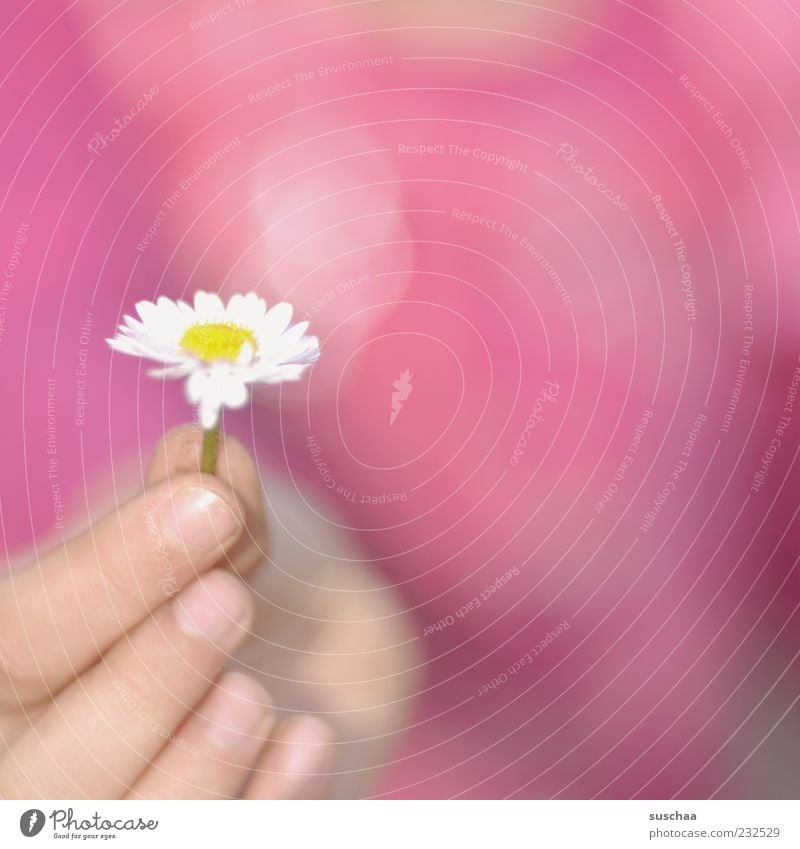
(112, 646)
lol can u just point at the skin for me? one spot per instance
(328, 637)
(113, 648)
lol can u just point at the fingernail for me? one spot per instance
(200, 518)
(236, 713)
(304, 748)
(214, 607)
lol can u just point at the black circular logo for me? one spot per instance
(31, 822)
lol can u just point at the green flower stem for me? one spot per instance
(208, 464)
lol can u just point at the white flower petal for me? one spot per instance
(293, 371)
(234, 392)
(186, 311)
(245, 355)
(146, 310)
(124, 345)
(209, 414)
(305, 351)
(135, 346)
(180, 370)
(257, 305)
(195, 386)
(131, 325)
(166, 305)
(236, 311)
(246, 310)
(203, 389)
(163, 321)
(276, 320)
(208, 306)
(295, 331)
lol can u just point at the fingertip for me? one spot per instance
(310, 731)
(202, 513)
(238, 711)
(216, 607)
(178, 452)
(297, 761)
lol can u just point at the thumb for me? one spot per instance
(179, 453)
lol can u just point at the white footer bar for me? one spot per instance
(404, 825)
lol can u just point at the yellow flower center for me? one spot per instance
(217, 340)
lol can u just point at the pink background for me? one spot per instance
(678, 673)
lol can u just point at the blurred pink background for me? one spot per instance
(466, 191)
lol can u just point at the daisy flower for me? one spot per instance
(219, 349)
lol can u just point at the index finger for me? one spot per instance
(61, 613)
